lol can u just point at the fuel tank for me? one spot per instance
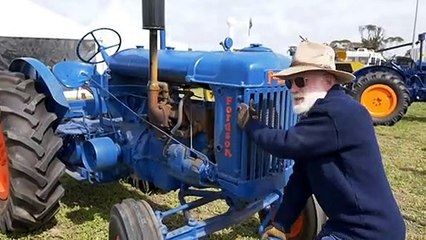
(245, 67)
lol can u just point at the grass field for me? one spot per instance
(85, 208)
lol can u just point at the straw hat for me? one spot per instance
(311, 56)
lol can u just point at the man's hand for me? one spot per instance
(272, 233)
(245, 112)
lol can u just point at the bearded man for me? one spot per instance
(335, 150)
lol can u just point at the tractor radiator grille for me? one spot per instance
(275, 110)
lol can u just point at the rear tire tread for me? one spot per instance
(35, 171)
(6, 110)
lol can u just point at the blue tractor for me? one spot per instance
(163, 116)
(388, 90)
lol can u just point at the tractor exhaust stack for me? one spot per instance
(153, 20)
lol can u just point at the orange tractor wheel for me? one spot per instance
(380, 100)
(4, 169)
(384, 95)
(308, 224)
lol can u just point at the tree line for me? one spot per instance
(372, 37)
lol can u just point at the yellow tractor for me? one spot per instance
(351, 61)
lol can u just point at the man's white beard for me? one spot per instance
(308, 101)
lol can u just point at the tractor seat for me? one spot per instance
(405, 62)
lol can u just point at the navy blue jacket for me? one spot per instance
(337, 159)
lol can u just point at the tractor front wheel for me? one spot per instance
(29, 170)
(133, 219)
(308, 224)
(384, 95)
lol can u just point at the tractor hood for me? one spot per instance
(246, 67)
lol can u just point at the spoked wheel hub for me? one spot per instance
(380, 100)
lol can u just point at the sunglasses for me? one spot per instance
(299, 82)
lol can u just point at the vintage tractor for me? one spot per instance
(388, 90)
(351, 61)
(167, 117)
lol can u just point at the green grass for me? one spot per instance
(404, 153)
(85, 208)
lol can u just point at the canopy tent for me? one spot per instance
(38, 27)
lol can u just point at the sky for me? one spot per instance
(203, 24)
(278, 23)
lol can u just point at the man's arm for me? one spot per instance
(297, 192)
(309, 138)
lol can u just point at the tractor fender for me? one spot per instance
(48, 83)
(365, 70)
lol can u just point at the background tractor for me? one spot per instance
(164, 117)
(351, 61)
(388, 90)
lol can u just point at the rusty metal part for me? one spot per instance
(158, 112)
(164, 93)
(201, 119)
(180, 112)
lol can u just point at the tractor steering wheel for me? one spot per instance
(99, 48)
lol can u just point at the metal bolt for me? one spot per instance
(163, 229)
(192, 222)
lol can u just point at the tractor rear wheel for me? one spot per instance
(384, 95)
(308, 224)
(29, 170)
(133, 219)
